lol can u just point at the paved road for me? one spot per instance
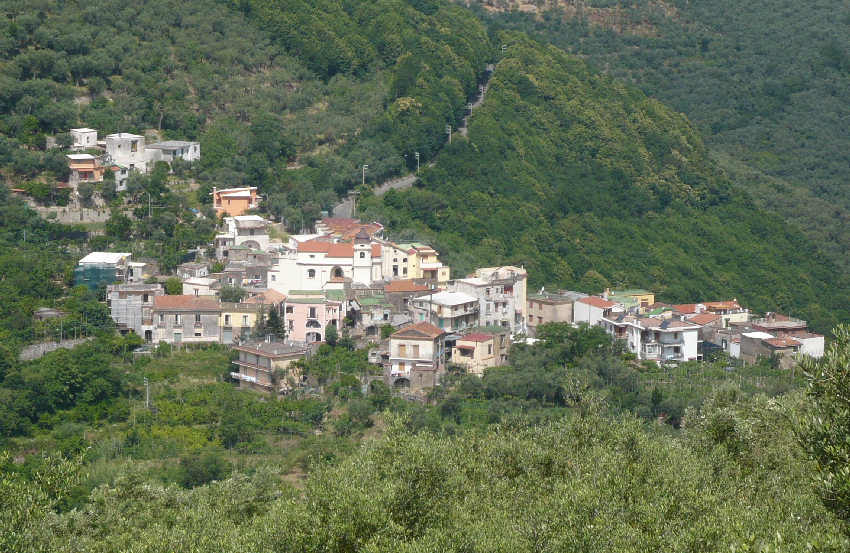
(345, 207)
(463, 130)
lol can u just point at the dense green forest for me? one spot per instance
(767, 84)
(266, 104)
(588, 183)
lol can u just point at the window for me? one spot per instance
(274, 278)
(145, 298)
(489, 349)
(161, 318)
(198, 334)
(362, 255)
(134, 146)
(311, 273)
(197, 318)
(244, 320)
(176, 319)
(531, 318)
(401, 367)
(313, 313)
(540, 320)
(675, 335)
(196, 291)
(416, 351)
(291, 324)
(290, 309)
(227, 320)
(402, 350)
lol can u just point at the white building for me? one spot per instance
(655, 339)
(448, 310)
(169, 150)
(243, 230)
(199, 286)
(127, 151)
(311, 264)
(592, 310)
(501, 294)
(83, 138)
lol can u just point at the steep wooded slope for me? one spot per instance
(587, 182)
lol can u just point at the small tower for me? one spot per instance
(362, 257)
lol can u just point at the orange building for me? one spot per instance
(84, 168)
(234, 201)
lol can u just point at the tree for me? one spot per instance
(825, 431)
(203, 468)
(232, 293)
(173, 286)
(379, 394)
(331, 335)
(86, 192)
(260, 326)
(274, 325)
(386, 331)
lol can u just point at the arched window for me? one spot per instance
(337, 272)
(362, 255)
(311, 273)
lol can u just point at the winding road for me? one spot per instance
(345, 207)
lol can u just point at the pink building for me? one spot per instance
(309, 312)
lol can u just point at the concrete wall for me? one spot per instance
(35, 351)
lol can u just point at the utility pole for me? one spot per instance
(417, 162)
(449, 132)
(147, 395)
(363, 181)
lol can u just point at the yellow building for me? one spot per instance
(639, 298)
(424, 262)
(267, 365)
(479, 350)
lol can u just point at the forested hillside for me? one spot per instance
(588, 183)
(767, 83)
(265, 103)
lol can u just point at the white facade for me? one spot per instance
(501, 294)
(248, 230)
(812, 344)
(84, 138)
(169, 150)
(591, 310)
(655, 340)
(314, 263)
(126, 150)
(199, 286)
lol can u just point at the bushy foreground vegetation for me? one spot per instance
(734, 481)
(587, 183)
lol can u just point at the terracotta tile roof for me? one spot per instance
(704, 318)
(476, 337)
(722, 305)
(405, 285)
(327, 248)
(185, 303)
(596, 301)
(419, 330)
(782, 342)
(685, 308)
(270, 296)
(376, 250)
(348, 228)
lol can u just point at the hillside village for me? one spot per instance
(399, 296)
(394, 295)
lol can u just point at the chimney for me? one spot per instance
(606, 293)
